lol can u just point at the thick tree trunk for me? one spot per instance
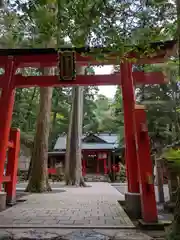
(38, 181)
(172, 184)
(159, 180)
(26, 118)
(51, 144)
(175, 228)
(29, 169)
(73, 169)
(1, 3)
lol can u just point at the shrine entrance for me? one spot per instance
(91, 164)
(139, 172)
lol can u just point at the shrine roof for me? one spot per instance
(109, 138)
(109, 142)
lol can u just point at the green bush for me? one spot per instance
(121, 175)
(172, 158)
(22, 175)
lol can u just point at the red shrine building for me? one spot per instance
(99, 153)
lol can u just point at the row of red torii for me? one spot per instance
(139, 165)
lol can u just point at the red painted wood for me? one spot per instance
(145, 169)
(51, 171)
(6, 107)
(12, 165)
(45, 81)
(6, 179)
(10, 144)
(128, 105)
(114, 79)
(149, 78)
(105, 167)
(93, 151)
(51, 59)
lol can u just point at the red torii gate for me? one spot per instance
(139, 172)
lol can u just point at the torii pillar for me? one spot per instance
(132, 196)
(145, 168)
(6, 107)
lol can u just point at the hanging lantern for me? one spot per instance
(67, 65)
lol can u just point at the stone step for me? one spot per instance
(96, 178)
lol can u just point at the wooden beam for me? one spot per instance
(88, 80)
(42, 57)
(149, 78)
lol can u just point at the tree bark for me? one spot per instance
(175, 229)
(73, 167)
(29, 169)
(26, 118)
(73, 161)
(160, 179)
(174, 233)
(38, 181)
(1, 3)
(53, 123)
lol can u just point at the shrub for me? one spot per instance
(121, 175)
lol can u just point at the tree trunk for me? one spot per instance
(29, 169)
(1, 3)
(73, 161)
(73, 168)
(172, 184)
(53, 125)
(160, 180)
(175, 228)
(26, 118)
(38, 181)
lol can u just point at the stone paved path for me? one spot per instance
(94, 207)
(72, 234)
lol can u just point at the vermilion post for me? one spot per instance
(6, 107)
(148, 201)
(128, 105)
(12, 165)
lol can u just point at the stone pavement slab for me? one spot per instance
(90, 207)
(71, 234)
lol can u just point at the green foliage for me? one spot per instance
(162, 102)
(118, 115)
(172, 156)
(122, 174)
(116, 25)
(104, 115)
